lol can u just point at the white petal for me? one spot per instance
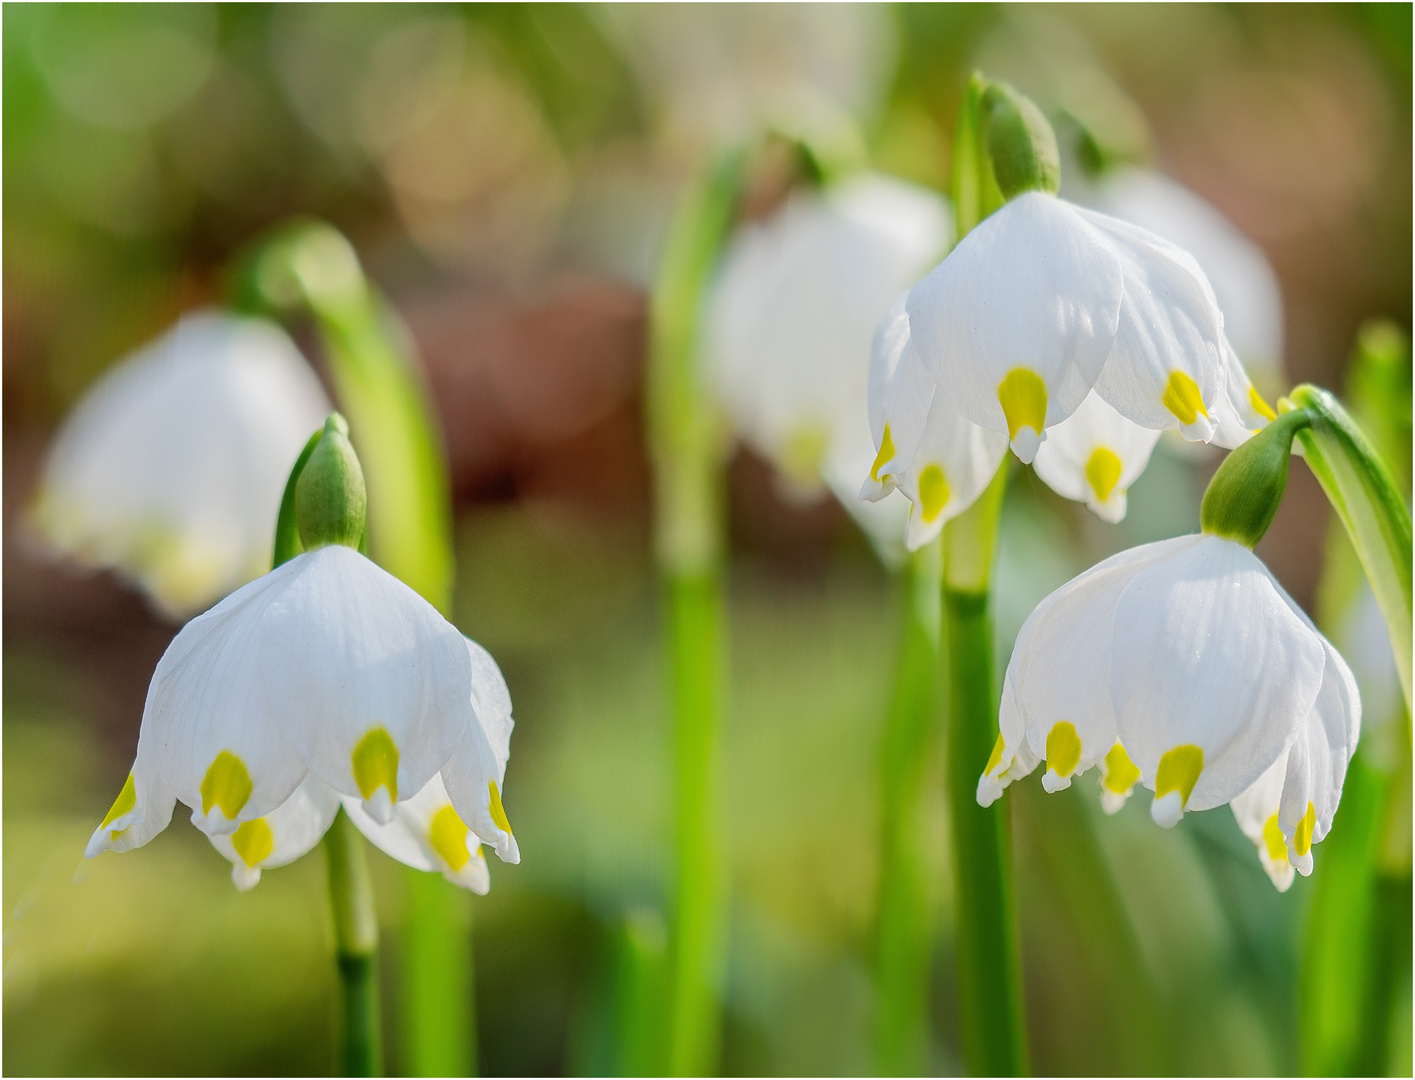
(426, 833)
(1318, 760)
(476, 774)
(129, 826)
(207, 715)
(1170, 328)
(1256, 812)
(909, 393)
(282, 836)
(172, 465)
(492, 700)
(1206, 652)
(1034, 286)
(1241, 412)
(1094, 455)
(1243, 281)
(349, 651)
(1056, 697)
(883, 520)
(953, 461)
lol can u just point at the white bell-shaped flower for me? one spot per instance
(326, 679)
(1183, 665)
(1045, 302)
(789, 322)
(171, 467)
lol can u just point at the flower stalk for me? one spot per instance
(903, 927)
(989, 964)
(687, 444)
(308, 267)
(355, 950)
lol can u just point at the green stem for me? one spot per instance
(355, 949)
(902, 932)
(439, 1025)
(989, 967)
(687, 443)
(1361, 490)
(695, 635)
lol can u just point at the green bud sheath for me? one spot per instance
(1020, 142)
(1244, 494)
(330, 500)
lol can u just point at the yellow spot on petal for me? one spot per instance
(1272, 837)
(448, 834)
(1181, 397)
(227, 784)
(1063, 748)
(1179, 771)
(1103, 472)
(126, 800)
(1023, 397)
(376, 764)
(1302, 835)
(1261, 407)
(933, 492)
(885, 455)
(498, 812)
(1120, 772)
(995, 756)
(253, 841)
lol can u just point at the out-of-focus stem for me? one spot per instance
(687, 442)
(989, 968)
(439, 1036)
(355, 949)
(902, 932)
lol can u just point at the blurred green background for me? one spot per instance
(506, 174)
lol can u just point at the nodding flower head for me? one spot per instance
(1184, 667)
(170, 468)
(1049, 321)
(325, 681)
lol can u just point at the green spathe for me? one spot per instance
(1020, 143)
(1246, 490)
(330, 500)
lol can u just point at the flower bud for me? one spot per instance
(330, 500)
(1020, 142)
(1245, 492)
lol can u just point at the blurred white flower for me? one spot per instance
(325, 679)
(1243, 281)
(1184, 666)
(171, 467)
(789, 323)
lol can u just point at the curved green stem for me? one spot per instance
(902, 928)
(1361, 490)
(989, 965)
(355, 949)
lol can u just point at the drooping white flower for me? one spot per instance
(326, 679)
(171, 467)
(1184, 666)
(789, 322)
(1048, 314)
